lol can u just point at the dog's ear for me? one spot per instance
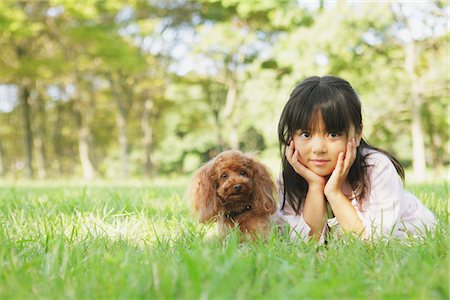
(203, 195)
(265, 189)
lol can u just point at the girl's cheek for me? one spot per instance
(335, 164)
(300, 158)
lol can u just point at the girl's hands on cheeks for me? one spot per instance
(312, 178)
(344, 162)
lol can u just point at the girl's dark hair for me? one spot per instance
(340, 108)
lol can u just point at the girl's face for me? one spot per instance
(318, 150)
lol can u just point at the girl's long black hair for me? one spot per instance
(340, 108)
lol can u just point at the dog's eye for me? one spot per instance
(224, 175)
(243, 173)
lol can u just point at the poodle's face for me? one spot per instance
(230, 182)
(233, 176)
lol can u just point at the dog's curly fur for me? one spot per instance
(234, 189)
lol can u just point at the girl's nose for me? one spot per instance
(318, 145)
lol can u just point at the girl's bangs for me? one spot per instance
(321, 104)
(336, 116)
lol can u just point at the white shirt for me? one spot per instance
(387, 210)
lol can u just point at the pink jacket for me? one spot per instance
(387, 211)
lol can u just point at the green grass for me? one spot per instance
(139, 241)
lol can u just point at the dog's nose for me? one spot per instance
(237, 187)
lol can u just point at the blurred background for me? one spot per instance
(150, 88)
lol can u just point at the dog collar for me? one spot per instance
(234, 214)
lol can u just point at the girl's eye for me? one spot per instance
(305, 134)
(333, 134)
(224, 175)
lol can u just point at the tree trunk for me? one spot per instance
(27, 132)
(123, 143)
(417, 131)
(233, 135)
(215, 111)
(2, 161)
(57, 145)
(148, 137)
(84, 149)
(122, 124)
(228, 117)
(84, 113)
(418, 142)
(41, 161)
(40, 156)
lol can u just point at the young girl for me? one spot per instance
(329, 168)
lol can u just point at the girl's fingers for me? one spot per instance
(344, 162)
(296, 163)
(340, 162)
(289, 152)
(350, 154)
(292, 157)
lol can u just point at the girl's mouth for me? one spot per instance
(319, 162)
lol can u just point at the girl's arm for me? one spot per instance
(346, 214)
(389, 210)
(314, 210)
(342, 208)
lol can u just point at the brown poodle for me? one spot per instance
(234, 189)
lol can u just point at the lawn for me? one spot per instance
(138, 240)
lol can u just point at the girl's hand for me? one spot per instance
(344, 162)
(312, 178)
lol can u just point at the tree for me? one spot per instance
(23, 60)
(231, 43)
(415, 45)
(376, 48)
(158, 87)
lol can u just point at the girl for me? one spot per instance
(327, 165)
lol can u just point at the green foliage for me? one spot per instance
(138, 240)
(216, 73)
